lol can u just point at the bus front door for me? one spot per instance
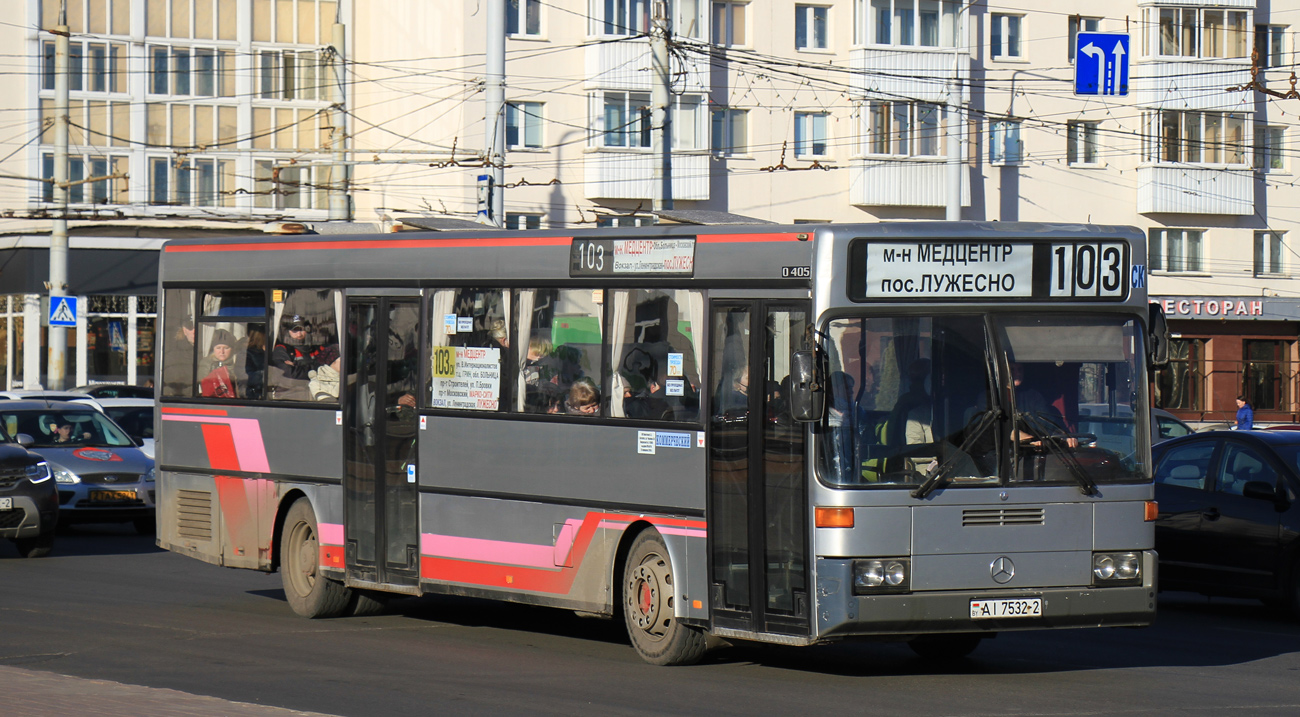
(381, 492)
(757, 486)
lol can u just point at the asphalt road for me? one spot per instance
(108, 605)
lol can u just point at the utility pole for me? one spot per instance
(955, 124)
(339, 173)
(56, 364)
(494, 114)
(661, 135)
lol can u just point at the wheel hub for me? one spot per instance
(644, 594)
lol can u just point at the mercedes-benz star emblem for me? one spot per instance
(1002, 570)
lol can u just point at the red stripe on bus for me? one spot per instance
(734, 238)
(374, 244)
(221, 446)
(195, 411)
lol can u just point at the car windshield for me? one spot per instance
(983, 400)
(59, 429)
(137, 421)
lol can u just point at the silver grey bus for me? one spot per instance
(760, 433)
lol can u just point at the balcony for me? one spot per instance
(887, 183)
(630, 175)
(920, 74)
(625, 65)
(1195, 84)
(1186, 189)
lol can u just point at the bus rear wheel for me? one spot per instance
(945, 647)
(649, 600)
(309, 592)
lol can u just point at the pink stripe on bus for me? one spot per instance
(331, 533)
(245, 432)
(480, 550)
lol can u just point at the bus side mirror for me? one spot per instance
(807, 397)
(1157, 335)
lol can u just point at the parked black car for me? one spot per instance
(1229, 523)
(29, 500)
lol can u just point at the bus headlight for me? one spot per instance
(1116, 568)
(881, 575)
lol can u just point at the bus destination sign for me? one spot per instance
(953, 270)
(942, 270)
(632, 257)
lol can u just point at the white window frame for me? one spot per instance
(725, 25)
(1270, 40)
(633, 131)
(898, 128)
(806, 125)
(1181, 15)
(525, 119)
(519, 221)
(517, 12)
(806, 16)
(619, 18)
(1270, 253)
(869, 27)
(1189, 243)
(1081, 143)
(1192, 128)
(1270, 144)
(1004, 134)
(1000, 28)
(723, 130)
(1077, 24)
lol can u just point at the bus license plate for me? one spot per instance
(6, 503)
(1019, 607)
(112, 496)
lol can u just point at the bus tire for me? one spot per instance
(308, 591)
(649, 598)
(365, 603)
(945, 647)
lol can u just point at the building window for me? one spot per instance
(521, 222)
(110, 187)
(1181, 383)
(903, 129)
(1269, 45)
(1266, 371)
(1004, 142)
(924, 23)
(1198, 32)
(524, 17)
(627, 17)
(810, 138)
(626, 119)
(1175, 250)
(1005, 36)
(810, 27)
(729, 135)
(1078, 24)
(729, 24)
(202, 71)
(287, 75)
(1268, 253)
(524, 125)
(1081, 147)
(1269, 148)
(1197, 137)
(688, 118)
(284, 186)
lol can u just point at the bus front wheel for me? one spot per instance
(309, 592)
(649, 599)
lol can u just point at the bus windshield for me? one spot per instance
(969, 399)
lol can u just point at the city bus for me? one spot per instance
(782, 434)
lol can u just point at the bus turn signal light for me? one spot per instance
(1153, 510)
(834, 517)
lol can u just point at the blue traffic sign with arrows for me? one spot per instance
(1101, 63)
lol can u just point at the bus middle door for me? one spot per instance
(380, 486)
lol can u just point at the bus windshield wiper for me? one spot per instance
(1048, 435)
(938, 475)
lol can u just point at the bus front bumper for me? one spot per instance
(843, 614)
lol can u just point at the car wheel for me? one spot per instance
(37, 547)
(649, 599)
(309, 592)
(945, 647)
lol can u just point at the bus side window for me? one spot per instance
(304, 354)
(656, 337)
(178, 347)
(471, 343)
(560, 338)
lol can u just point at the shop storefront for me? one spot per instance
(1226, 346)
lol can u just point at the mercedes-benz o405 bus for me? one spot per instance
(770, 433)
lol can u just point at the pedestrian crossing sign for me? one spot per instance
(63, 311)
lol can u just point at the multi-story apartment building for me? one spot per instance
(790, 111)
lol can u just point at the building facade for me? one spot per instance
(788, 111)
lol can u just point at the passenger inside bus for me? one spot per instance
(222, 377)
(583, 398)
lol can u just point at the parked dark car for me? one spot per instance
(116, 390)
(29, 499)
(1229, 523)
